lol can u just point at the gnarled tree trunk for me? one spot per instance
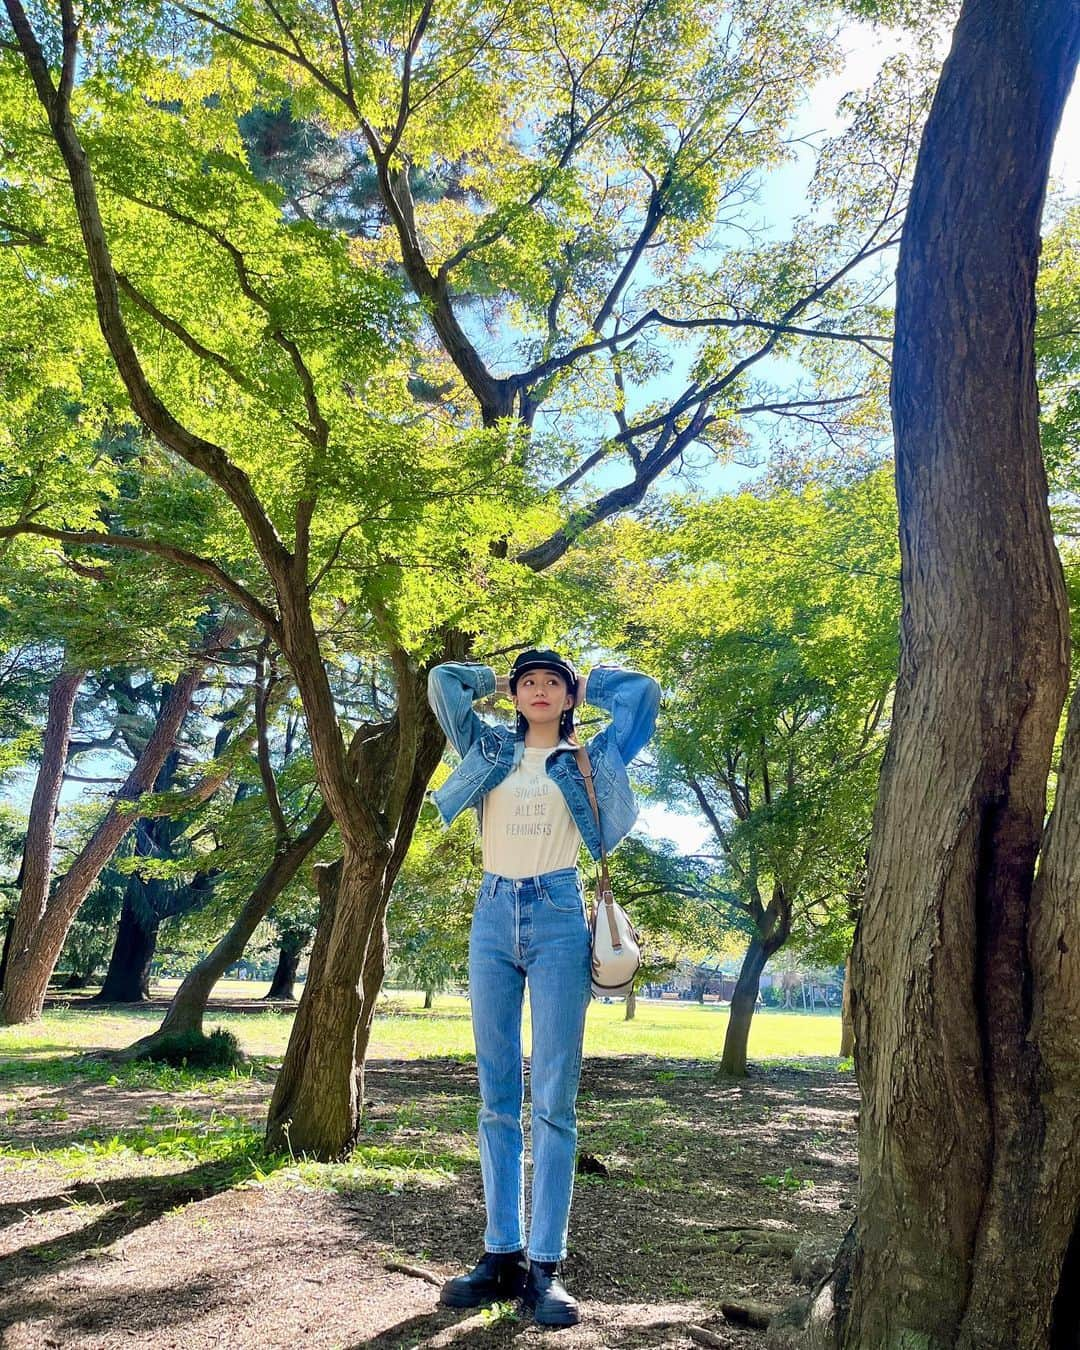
(316, 1103)
(967, 984)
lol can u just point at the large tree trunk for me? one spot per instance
(40, 832)
(283, 985)
(37, 946)
(967, 989)
(631, 1006)
(318, 1096)
(315, 1107)
(188, 1006)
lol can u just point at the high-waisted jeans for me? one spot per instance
(532, 929)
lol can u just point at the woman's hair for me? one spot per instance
(566, 724)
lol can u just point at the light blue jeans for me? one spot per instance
(532, 929)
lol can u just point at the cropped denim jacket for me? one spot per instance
(489, 751)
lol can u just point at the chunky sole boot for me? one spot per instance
(496, 1277)
(547, 1299)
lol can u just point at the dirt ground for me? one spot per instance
(712, 1188)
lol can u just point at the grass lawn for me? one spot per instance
(404, 1031)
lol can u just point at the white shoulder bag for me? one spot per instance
(616, 951)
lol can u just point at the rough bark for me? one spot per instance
(283, 984)
(631, 1006)
(41, 827)
(188, 1006)
(316, 1103)
(847, 1016)
(37, 946)
(967, 1003)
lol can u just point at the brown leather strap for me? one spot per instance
(603, 882)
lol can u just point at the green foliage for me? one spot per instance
(1057, 338)
(676, 904)
(787, 1181)
(772, 622)
(431, 905)
(909, 13)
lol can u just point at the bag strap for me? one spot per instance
(604, 895)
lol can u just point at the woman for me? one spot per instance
(530, 925)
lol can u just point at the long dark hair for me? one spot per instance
(566, 724)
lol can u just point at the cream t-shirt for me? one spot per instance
(527, 826)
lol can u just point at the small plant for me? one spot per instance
(499, 1312)
(788, 1182)
(191, 1050)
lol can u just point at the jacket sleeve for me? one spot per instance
(453, 687)
(632, 699)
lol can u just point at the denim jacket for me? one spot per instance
(489, 751)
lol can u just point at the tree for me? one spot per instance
(423, 528)
(677, 906)
(158, 886)
(966, 978)
(44, 915)
(771, 620)
(294, 930)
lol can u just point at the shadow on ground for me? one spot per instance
(710, 1186)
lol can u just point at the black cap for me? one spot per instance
(543, 658)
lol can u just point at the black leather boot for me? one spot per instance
(496, 1276)
(546, 1298)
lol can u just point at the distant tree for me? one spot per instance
(772, 623)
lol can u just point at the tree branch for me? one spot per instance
(202, 454)
(180, 556)
(779, 328)
(668, 449)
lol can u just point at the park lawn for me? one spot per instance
(403, 1030)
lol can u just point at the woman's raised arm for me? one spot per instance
(453, 687)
